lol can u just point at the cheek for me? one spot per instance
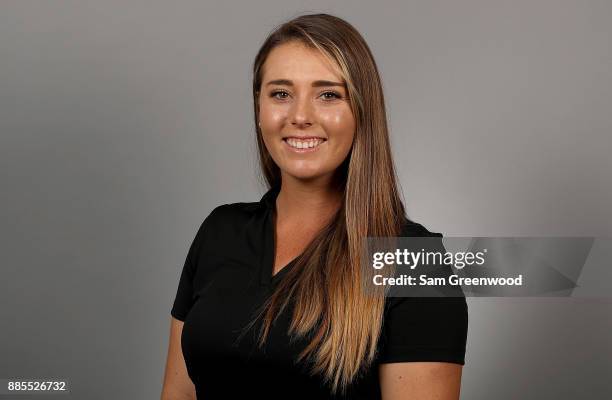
(271, 116)
(340, 125)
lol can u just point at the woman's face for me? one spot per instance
(305, 116)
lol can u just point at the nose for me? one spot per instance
(301, 113)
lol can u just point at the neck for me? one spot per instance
(308, 201)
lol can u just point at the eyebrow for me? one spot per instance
(287, 82)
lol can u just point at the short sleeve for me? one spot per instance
(184, 298)
(425, 328)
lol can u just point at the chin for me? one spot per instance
(303, 174)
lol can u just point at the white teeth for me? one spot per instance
(306, 144)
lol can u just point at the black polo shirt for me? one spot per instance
(227, 276)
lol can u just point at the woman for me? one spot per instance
(269, 303)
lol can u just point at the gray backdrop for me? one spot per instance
(124, 123)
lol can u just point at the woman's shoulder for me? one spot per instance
(229, 215)
(414, 229)
(234, 209)
(424, 328)
(226, 222)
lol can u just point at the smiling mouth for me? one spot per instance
(307, 143)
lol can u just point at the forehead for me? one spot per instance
(296, 61)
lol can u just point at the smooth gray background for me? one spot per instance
(124, 123)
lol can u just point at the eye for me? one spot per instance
(331, 95)
(275, 94)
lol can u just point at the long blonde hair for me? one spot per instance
(342, 322)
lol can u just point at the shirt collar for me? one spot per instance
(269, 199)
